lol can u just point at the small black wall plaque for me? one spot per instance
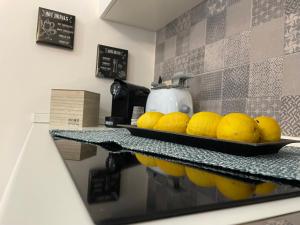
(111, 62)
(55, 28)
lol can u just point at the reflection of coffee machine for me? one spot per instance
(128, 101)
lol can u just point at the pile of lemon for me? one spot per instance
(233, 126)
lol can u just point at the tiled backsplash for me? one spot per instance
(244, 54)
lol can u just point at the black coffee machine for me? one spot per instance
(126, 99)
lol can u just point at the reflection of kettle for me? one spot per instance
(171, 98)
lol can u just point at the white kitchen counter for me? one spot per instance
(42, 192)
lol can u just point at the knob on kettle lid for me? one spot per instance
(180, 78)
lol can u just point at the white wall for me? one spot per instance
(103, 5)
(28, 71)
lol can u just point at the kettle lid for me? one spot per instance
(179, 80)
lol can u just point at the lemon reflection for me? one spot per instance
(230, 188)
(145, 160)
(169, 168)
(234, 189)
(172, 169)
(265, 188)
(200, 177)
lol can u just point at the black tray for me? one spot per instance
(218, 145)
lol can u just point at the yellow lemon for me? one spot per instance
(238, 127)
(173, 122)
(269, 129)
(204, 124)
(234, 189)
(148, 120)
(200, 177)
(145, 160)
(170, 168)
(265, 188)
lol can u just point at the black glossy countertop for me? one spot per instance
(118, 188)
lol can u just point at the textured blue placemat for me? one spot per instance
(284, 165)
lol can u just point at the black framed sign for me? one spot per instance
(55, 28)
(111, 62)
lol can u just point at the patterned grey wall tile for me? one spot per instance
(158, 71)
(214, 56)
(292, 32)
(183, 23)
(196, 61)
(237, 50)
(238, 17)
(182, 43)
(159, 53)
(196, 106)
(266, 78)
(267, 40)
(275, 221)
(233, 2)
(266, 10)
(233, 105)
(161, 35)
(264, 106)
(171, 29)
(274, 33)
(292, 6)
(206, 86)
(290, 115)
(198, 34)
(291, 75)
(182, 63)
(215, 28)
(236, 82)
(210, 106)
(168, 69)
(216, 6)
(198, 13)
(170, 48)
